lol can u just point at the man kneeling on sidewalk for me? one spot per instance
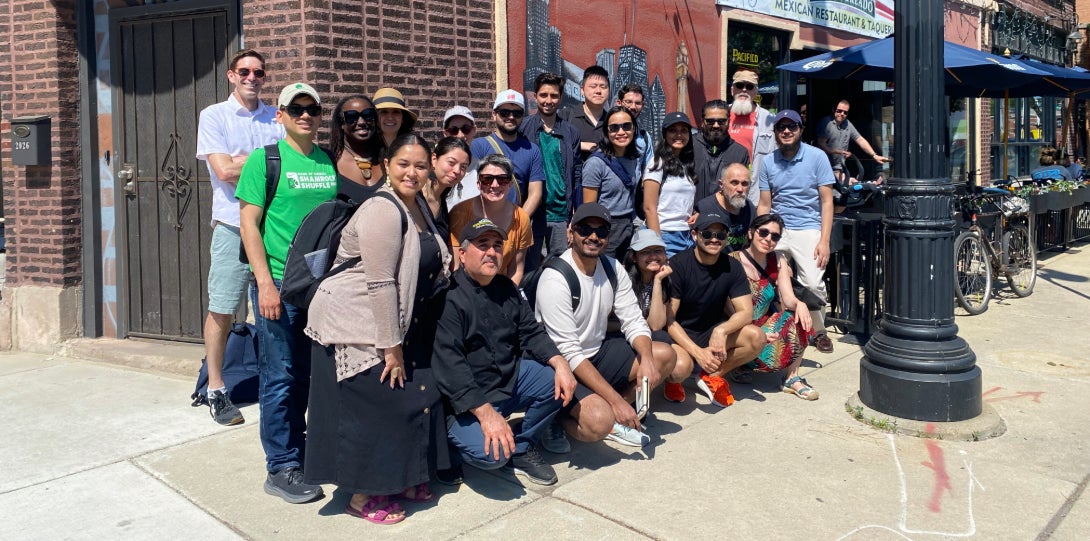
(485, 329)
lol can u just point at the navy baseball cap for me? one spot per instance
(788, 114)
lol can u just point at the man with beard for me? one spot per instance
(226, 134)
(750, 125)
(507, 113)
(713, 148)
(458, 122)
(796, 183)
(706, 285)
(834, 135)
(588, 117)
(606, 367)
(558, 141)
(732, 203)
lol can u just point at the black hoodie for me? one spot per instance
(710, 160)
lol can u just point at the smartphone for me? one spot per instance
(643, 399)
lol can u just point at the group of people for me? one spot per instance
(508, 273)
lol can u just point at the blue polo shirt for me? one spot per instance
(794, 185)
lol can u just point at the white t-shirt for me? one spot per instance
(579, 335)
(229, 128)
(676, 198)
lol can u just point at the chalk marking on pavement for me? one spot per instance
(870, 526)
(903, 523)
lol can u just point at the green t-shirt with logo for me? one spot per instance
(305, 182)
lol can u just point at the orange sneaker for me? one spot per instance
(717, 389)
(673, 392)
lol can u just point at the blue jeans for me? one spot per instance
(283, 365)
(534, 393)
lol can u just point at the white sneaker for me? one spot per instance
(628, 436)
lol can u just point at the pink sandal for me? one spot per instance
(378, 509)
(421, 493)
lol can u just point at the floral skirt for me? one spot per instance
(787, 348)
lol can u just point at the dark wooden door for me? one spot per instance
(169, 61)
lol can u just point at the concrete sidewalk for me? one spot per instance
(95, 451)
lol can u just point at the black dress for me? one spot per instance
(367, 438)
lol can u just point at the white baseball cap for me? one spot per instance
(509, 96)
(294, 90)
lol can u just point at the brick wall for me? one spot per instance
(437, 53)
(41, 203)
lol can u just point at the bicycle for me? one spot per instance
(1008, 248)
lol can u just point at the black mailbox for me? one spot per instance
(30, 141)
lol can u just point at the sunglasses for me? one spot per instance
(487, 180)
(352, 117)
(715, 121)
(764, 232)
(455, 130)
(295, 110)
(245, 72)
(841, 111)
(792, 127)
(584, 230)
(745, 86)
(708, 234)
(742, 183)
(509, 113)
(623, 126)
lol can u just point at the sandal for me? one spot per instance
(420, 493)
(805, 392)
(741, 375)
(378, 509)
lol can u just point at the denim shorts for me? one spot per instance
(227, 277)
(677, 241)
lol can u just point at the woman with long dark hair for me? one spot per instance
(356, 142)
(610, 178)
(669, 184)
(449, 163)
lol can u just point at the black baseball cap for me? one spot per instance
(473, 230)
(675, 118)
(590, 210)
(710, 218)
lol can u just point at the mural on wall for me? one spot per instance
(671, 53)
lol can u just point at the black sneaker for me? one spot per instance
(554, 440)
(533, 466)
(451, 476)
(223, 411)
(288, 484)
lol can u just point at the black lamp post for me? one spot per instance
(916, 366)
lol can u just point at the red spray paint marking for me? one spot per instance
(1035, 395)
(990, 391)
(938, 465)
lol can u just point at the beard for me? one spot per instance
(509, 132)
(742, 106)
(737, 202)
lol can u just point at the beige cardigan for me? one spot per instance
(366, 307)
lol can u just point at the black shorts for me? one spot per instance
(614, 362)
(700, 338)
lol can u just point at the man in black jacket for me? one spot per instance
(484, 332)
(713, 149)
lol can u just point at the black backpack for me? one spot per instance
(239, 368)
(530, 281)
(314, 247)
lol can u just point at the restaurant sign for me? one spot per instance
(872, 18)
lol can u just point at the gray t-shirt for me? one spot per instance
(618, 199)
(837, 136)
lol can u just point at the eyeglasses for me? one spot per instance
(742, 183)
(715, 121)
(352, 117)
(708, 234)
(487, 180)
(623, 126)
(764, 232)
(295, 110)
(745, 86)
(584, 230)
(792, 127)
(841, 111)
(632, 103)
(245, 72)
(509, 113)
(455, 130)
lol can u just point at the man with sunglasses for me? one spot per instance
(227, 133)
(704, 287)
(713, 148)
(835, 134)
(458, 122)
(606, 367)
(307, 179)
(750, 124)
(732, 202)
(507, 113)
(796, 183)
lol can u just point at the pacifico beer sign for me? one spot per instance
(872, 18)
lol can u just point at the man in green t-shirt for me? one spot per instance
(307, 178)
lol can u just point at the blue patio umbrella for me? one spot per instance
(969, 72)
(1057, 82)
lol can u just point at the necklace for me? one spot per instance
(363, 163)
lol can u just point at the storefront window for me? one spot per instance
(1033, 123)
(760, 49)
